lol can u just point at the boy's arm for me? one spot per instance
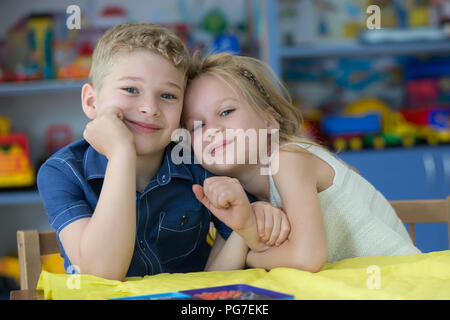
(103, 245)
(229, 254)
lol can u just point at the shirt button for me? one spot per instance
(184, 220)
(142, 244)
(163, 178)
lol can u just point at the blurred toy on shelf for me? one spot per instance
(347, 20)
(433, 123)
(5, 125)
(40, 46)
(371, 123)
(15, 163)
(40, 40)
(80, 67)
(56, 137)
(349, 131)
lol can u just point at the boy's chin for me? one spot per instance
(147, 150)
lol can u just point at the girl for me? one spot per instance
(334, 213)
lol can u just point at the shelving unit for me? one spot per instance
(358, 49)
(39, 86)
(22, 197)
(276, 52)
(33, 88)
(419, 172)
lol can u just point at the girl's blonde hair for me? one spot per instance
(258, 85)
(127, 37)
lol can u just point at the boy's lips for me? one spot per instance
(144, 127)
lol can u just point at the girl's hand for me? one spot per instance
(108, 134)
(226, 199)
(273, 224)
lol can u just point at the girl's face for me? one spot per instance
(225, 130)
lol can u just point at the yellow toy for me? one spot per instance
(15, 164)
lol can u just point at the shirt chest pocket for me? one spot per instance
(178, 234)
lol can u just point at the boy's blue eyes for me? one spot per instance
(132, 90)
(168, 96)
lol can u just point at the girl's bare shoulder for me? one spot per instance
(294, 159)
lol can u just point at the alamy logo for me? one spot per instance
(229, 148)
(74, 20)
(374, 20)
(73, 282)
(373, 282)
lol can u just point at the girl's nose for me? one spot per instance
(213, 131)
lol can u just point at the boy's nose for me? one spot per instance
(150, 110)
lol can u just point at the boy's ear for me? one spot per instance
(88, 97)
(272, 122)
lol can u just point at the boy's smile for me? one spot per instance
(144, 127)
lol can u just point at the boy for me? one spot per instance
(118, 203)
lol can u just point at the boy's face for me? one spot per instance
(149, 90)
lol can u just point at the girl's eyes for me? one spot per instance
(226, 112)
(131, 90)
(222, 114)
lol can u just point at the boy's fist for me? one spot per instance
(108, 134)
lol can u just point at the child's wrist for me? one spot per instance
(123, 151)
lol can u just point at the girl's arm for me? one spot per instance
(306, 246)
(227, 254)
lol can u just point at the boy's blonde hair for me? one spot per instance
(255, 81)
(128, 37)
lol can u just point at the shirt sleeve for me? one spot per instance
(61, 191)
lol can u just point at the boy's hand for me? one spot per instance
(273, 224)
(227, 200)
(108, 134)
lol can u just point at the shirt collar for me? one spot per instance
(95, 164)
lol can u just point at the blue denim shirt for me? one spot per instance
(172, 225)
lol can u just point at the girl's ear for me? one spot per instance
(272, 122)
(88, 96)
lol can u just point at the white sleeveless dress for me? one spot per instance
(358, 219)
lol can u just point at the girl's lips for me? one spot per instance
(220, 146)
(143, 126)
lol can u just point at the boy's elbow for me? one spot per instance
(105, 274)
(102, 271)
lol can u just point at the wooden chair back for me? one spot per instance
(422, 211)
(31, 245)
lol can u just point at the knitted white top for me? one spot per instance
(358, 219)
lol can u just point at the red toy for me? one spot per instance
(56, 137)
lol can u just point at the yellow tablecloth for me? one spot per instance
(418, 276)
